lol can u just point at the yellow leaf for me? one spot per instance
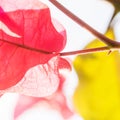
(97, 96)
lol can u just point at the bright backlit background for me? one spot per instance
(96, 13)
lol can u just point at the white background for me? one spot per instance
(96, 13)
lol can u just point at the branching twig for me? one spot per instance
(103, 38)
(111, 45)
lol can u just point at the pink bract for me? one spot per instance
(31, 24)
(56, 101)
(26, 31)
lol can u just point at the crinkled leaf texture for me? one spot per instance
(40, 81)
(56, 101)
(28, 23)
(26, 30)
(28, 38)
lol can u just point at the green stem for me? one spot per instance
(103, 38)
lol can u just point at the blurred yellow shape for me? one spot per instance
(97, 96)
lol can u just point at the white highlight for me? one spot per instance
(7, 30)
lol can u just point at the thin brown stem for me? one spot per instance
(86, 51)
(80, 22)
(25, 47)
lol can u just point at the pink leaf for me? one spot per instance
(31, 24)
(56, 101)
(40, 81)
(25, 31)
(15, 61)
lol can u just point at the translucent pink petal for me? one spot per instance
(30, 21)
(15, 61)
(40, 81)
(26, 28)
(57, 101)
